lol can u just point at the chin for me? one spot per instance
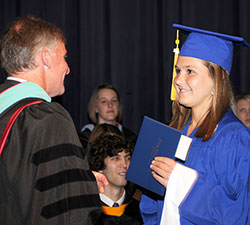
(111, 120)
(56, 92)
(184, 103)
(122, 183)
(61, 92)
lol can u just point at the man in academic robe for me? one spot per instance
(44, 177)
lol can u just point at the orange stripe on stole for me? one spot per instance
(114, 211)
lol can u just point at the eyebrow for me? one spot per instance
(188, 66)
(106, 98)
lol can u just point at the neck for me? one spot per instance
(34, 76)
(113, 122)
(197, 119)
(114, 193)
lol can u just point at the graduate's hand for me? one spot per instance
(162, 168)
(101, 181)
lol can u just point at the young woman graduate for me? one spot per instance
(213, 185)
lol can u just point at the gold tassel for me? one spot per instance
(176, 53)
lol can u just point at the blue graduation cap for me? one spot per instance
(211, 46)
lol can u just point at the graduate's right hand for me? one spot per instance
(162, 168)
(101, 181)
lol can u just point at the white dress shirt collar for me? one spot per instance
(108, 201)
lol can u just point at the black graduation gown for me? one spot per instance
(130, 216)
(44, 178)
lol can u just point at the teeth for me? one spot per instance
(184, 90)
(123, 174)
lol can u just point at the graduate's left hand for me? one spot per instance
(101, 181)
(162, 168)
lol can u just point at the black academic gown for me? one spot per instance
(126, 214)
(44, 178)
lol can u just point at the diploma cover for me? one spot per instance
(155, 139)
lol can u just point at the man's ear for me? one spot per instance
(46, 57)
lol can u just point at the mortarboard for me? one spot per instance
(210, 46)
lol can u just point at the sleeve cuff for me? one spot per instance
(180, 183)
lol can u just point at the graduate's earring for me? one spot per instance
(212, 92)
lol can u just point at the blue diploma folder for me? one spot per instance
(155, 139)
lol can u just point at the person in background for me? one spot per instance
(105, 106)
(212, 185)
(44, 177)
(106, 128)
(242, 108)
(110, 154)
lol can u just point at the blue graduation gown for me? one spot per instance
(221, 195)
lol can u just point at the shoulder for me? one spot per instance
(6, 84)
(231, 139)
(89, 127)
(49, 112)
(39, 112)
(132, 211)
(230, 124)
(85, 133)
(48, 121)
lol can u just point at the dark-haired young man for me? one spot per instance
(110, 155)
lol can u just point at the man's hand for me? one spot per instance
(101, 181)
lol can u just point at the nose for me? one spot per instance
(125, 163)
(110, 104)
(179, 79)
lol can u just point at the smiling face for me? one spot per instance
(107, 106)
(116, 168)
(59, 69)
(193, 84)
(243, 111)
